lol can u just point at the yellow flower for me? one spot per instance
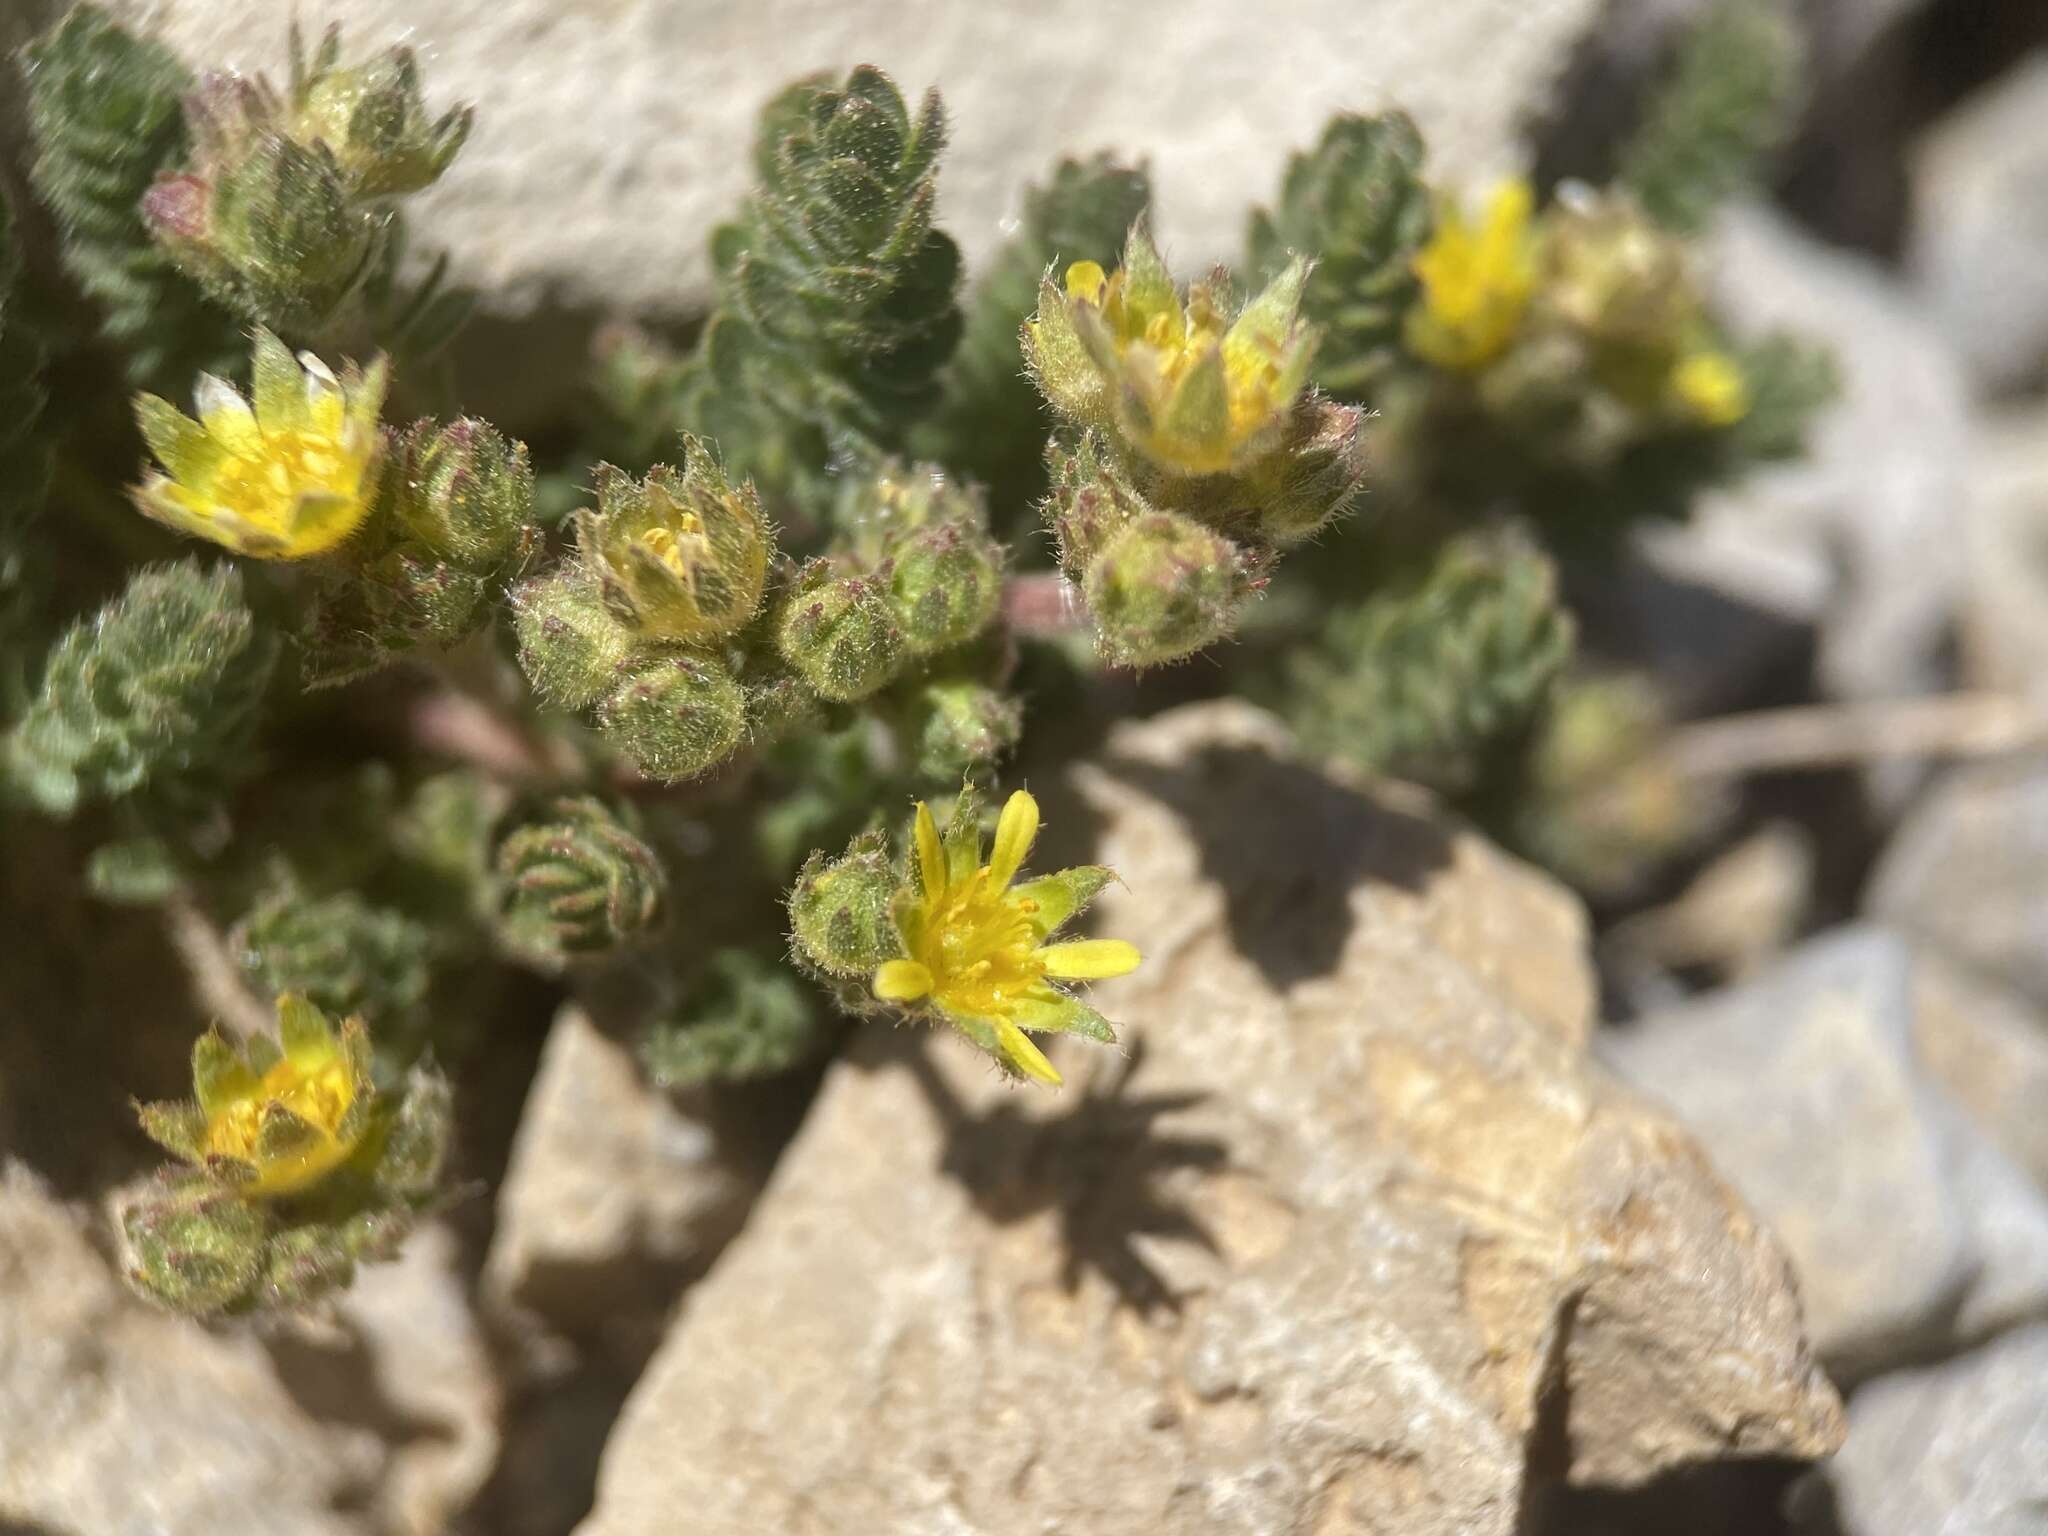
(975, 943)
(291, 476)
(1710, 388)
(1197, 386)
(1476, 282)
(277, 1116)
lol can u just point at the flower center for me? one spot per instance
(981, 948)
(264, 490)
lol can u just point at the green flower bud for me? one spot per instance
(1197, 386)
(779, 704)
(840, 632)
(570, 647)
(373, 118)
(574, 879)
(464, 494)
(409, 1163)
(263, 222)
(1295, 491)
(679, 555)
(839, 911)
(945, 583)
(1163, 589)
(304, 1263)
(960, 725)
(676, 716)
(192, 1245)
(1090, 502)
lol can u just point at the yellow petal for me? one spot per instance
(1025, 1057)
(227, 417)
(1015, 833)
(931, 855)
(1086, 280)
(1090, 959)
(902, 981)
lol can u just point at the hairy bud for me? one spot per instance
(1163, 589)
(676, 716)
(839, 910)
(265, 223)
(962, 725)
(840, 632)
(570, 647)
(680, 555)
(575, 879)
(945, 583)
(373, 118)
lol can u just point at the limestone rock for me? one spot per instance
(1980, 184)
(1989, 1048)
(616, 1191)
(1355, 1237)
(1964, 872)
(2005, 622)
(431, 1382)
(1908, 1226)
(123, 1421)
(614, 134)
(1958, 1447)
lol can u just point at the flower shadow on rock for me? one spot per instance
(1291, 852)
(1100, 1159)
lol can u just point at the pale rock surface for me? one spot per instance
(1964, 871)
(119, 1420)
(1989, 1047)
(1909, 1227)
(1354, 1238)
(1980, 203)
(615, 133)
(2005, 622)
(432, 1380)
(1956, 1449)
(614, 1189)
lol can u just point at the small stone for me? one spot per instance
(1909, 1228)
(1989, 1048)
(1980, 223)
(1957, 1447)
(1963, 872)
(115, 1417)
(614, 1189)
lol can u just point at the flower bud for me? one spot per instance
(464, 494)
(945, 583)
(676, 716)
(840, 633)
(1163, 589)
(839, 911)
(192, 1245)
(263, 222)
(1090, 502)
(959, 725)
(574, 879)
(1196, 385)
(373, 118)
(679, 555)
(570, 647)
(1295, 491)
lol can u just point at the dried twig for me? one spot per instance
(1835, 735)
(216, 979)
